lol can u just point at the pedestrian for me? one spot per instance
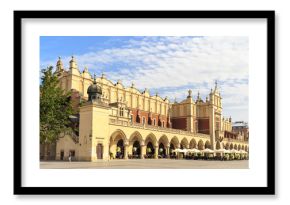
(69, 157)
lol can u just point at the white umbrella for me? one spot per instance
(207, 151)
(184, 150)
(177, 150)
(234, 151)
(222, 151)
(194, 150)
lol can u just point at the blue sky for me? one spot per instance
(169, 65)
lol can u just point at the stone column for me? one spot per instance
(156, 152)
(143, 149)
(167, 151)
(126, 147)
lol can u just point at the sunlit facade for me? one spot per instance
(122, 122)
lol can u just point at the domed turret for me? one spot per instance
(94, 91)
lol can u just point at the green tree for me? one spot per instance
(55, 107)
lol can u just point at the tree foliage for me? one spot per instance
(55, 107)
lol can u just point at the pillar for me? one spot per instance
(212, 127)
(155, 152)
(143, 151)
(126, 147)
(167, 151)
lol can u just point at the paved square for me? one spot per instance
(147, 164)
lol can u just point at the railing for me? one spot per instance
(114, 121)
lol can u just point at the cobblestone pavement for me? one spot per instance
(147, 164)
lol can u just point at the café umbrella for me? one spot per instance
(207, 151)
(194, 150)
(222, 151)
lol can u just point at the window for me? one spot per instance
(143, 120)
(121, 111)
(72, 153)
(154, 122)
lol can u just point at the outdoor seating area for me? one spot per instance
(208, 154)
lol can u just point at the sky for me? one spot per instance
(167, 65)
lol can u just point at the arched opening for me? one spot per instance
(231, 146)
(246, 148)
(184, 144)
(235, 147)
(163, 144)
(227, 146)
(200, 145)
(136, 150)
(171, 148)
(161, 150)
(239, 147)
(207, 145)
(192, 144)
(174, 144)
(150, 150)
(150, 143)
(117, 145)
(120, 149)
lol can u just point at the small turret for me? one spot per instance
(189, 94)
(73, 63)
(59, 65)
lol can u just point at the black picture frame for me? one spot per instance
(268, 190)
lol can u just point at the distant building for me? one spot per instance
(241, 129)
(119, 122)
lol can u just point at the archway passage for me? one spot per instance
(161, 150)
(171, 153)
(192, 144)
(150, 150)
(227, 146)
(200, 145)
(120, 149)
(207, 145)
(136, 150)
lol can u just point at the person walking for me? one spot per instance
(69, 157)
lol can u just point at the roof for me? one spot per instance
(240, 124)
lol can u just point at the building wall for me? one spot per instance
(193, 116)
(179, 123)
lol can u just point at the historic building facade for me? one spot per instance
(119, 122)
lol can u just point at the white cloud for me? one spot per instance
(175, 64)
